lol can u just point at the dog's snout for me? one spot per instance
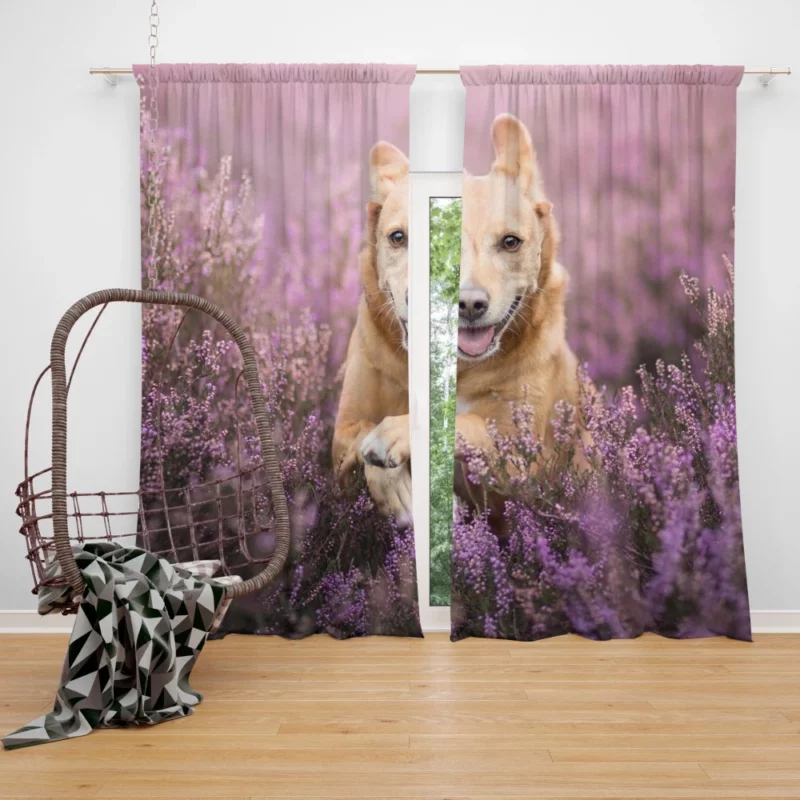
(473, 303)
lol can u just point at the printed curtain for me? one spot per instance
(597, 487)
(283, 198)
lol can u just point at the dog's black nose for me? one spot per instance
(473, 303)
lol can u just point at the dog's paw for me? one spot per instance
(388, 445)
(390, 489)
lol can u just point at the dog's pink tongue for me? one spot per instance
(474, 341)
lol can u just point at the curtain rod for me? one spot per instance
(747, 71)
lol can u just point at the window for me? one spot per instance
(435, 239)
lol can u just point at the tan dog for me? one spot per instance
(511, 335)
(372, 428)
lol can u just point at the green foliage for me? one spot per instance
(445, 247)
(445, 251)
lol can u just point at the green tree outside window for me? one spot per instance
(445, 256)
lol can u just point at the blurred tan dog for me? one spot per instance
(511, 335)
(372, 427)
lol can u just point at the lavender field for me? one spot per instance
(290, 278)
(644, 536)
(630, 520)
(648, 537)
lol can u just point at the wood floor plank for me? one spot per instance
(18, 785)
(615, 745)
(706, 756)
(752, 771)
(399, 718)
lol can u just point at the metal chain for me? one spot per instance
(152, 149)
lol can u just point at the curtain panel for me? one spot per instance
(596, 462)
(282, 197)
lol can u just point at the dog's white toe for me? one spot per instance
(374, 450)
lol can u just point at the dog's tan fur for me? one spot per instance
(529, 359)
(372, 427)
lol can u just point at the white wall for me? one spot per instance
(69, 218)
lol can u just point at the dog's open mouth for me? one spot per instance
(475, 341)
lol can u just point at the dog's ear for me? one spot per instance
(514, 155)
(387, 166)
(373, 215)
(550, 240)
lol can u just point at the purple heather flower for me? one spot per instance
(648, 537)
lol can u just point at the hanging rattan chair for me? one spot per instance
(227, 518)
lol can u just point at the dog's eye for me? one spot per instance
(397, 238)
(511, 243)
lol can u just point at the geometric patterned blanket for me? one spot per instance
(140, 627)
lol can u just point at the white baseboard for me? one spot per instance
(783, 621)
(30, 622)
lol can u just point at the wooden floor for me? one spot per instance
(399, 718)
